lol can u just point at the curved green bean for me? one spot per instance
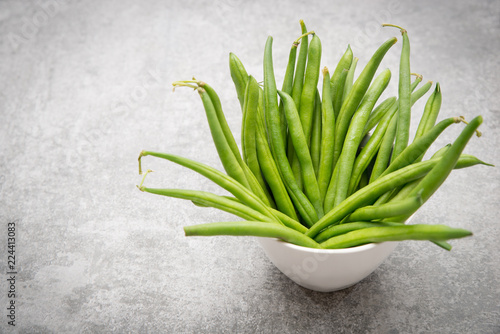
(211, 200)
(224, 181)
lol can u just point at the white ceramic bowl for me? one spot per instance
(326, 269)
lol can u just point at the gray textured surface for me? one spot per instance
(85, 86)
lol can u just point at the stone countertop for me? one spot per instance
(86, 85)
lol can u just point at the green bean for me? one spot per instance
(338, 79)
(327, 136)
(465, 161)
(290, 222)
(431, 112)
(356, 94)
(343, 228)
(311, 78)
(252, 228)
(419, 146)
(391, 209)
(316, 135)
(385, 149)
(239, 76)
(368, 194)
(306, 209)
(253, 183)
(432, 181)
(285, 219)
(354, 134)
(415, 83)
(416, 95)
(270, 170)
(212, 200)
(298, 83)
(349, 80)
(298, 80)
(224, 181)
(302, 151)
(378, 113)
(227, 155)
(404, 96)
(288, 84)
(370, 149)
(395, 233)
(403, 191)
(250, 115)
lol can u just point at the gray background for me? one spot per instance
(85, 86)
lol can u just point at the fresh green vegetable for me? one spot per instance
(324, 167)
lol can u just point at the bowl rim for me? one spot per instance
(356, 249)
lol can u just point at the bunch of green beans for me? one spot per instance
(324, 164)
